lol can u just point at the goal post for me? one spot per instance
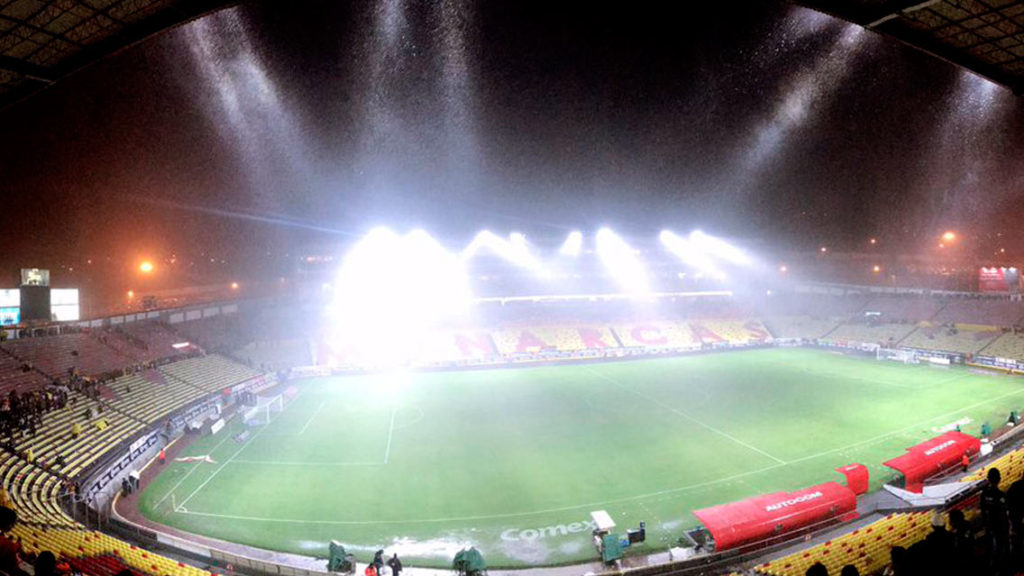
(896, 355)
(265, 409)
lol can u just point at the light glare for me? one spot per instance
(621, 262)
(573, 244)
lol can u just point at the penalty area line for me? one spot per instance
(189, 473)
(674, 410)
(391, 432)
(310, 421)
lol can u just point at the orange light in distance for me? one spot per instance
(783, 269)
(874, 241)
(876, 269)
(823, 249)
(131, 294)
(949, 236)
(234, 285)
(146, 267)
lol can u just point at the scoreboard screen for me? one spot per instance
(35, 277)
(64, 305)
(10, 298)
(10, 316)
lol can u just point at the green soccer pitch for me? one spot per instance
(513, 461)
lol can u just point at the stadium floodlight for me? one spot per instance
(719, 248)
(573, 244)
(690, 253)
(516, 250)
(622, 263)
(393, 290)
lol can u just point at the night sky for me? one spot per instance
(269, 128)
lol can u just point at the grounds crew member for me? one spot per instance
(162, 456)
(378, 561)
(965, 462)
(395, 564)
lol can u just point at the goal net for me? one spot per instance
(905, 356)
(264, 410)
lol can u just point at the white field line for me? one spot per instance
(391, 431)
(189, 473)
(685, 415)
(607, 502)
(301, 463)
(310, 421)
(247, 443)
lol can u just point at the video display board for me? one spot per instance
(10, 298)
(35, 277)
(10, 316)
(64, 305)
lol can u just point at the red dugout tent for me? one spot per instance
(933, 457)
(762, 517)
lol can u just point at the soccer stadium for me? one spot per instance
(739, 380)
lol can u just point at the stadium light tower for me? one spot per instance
(573, 244)
(719, 248)
(622, 263)
(515, 249)
(146, 267)
(691, 253)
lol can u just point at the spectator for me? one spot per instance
(963, 539)
(849, 570)
(995, 519)
(817, 569)
(10, 551)
(46, 564)
(897, 562)
(1015, 512)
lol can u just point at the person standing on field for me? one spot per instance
(395, 564)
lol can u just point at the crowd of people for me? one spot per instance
(23, 413)
(955, 546)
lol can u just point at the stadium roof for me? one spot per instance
(985, 36)
(41, 41)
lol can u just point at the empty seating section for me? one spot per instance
(14, 377)
(964, 339)
(866, 548)
(56, 355)
(152, 339)
(216, 333)
(904, 308)
(985, 312)
(737, 331)
(815, 305)
(276, 354)
(34, 492)
(211, 373)
(92, 546)
(1009, 345)
(150, 395)
(656, 335)
(884, 334)
(799, 326)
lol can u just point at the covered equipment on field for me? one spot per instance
(933, 457)
(608, 544)
(469, 562)
(773, 515)
(338, 560)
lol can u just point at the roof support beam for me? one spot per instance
(26, 69)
